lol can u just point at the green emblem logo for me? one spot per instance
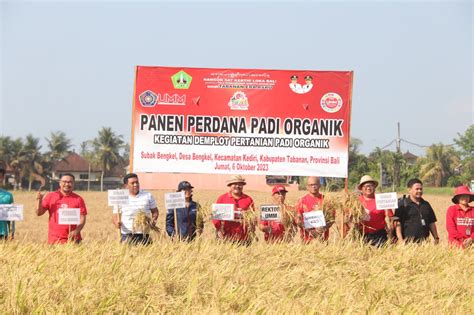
(181, 80)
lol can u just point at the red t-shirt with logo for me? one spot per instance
(278, 230)
(58, 233)
(306, 204)
(234, 230)
(375, 219)
(459, 224)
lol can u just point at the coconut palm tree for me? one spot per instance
(107, 146)
(34, 161)
(438, 165)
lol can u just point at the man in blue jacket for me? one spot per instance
(7, 228)
(189, 220)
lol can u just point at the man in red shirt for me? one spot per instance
(237, 230)
(312, 201)
(62, 198)
(373, 227)
(275, 231)
(460, 218)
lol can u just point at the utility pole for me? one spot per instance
(396, 167)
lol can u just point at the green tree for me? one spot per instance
(438, 165)
(106, 147)
(34, 161)
(465, 143)
(358, 163)
(59, 146)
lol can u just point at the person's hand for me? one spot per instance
(467, 242)
(436, 240)
(220, 235)
(39, 196)
(118, 225)
(73, 235)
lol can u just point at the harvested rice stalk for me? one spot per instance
(143, 223)
(288, 220)
(250, 220)
(353, 212)
(331, 205)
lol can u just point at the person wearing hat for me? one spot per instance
(415, 218)
(276, 231)
(294, 85)
(460, 218)
(374, 226)
(312, 201)
(237, 230)
(124, 216)
(309, 84)
(188, 221)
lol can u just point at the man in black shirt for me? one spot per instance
(416, 218)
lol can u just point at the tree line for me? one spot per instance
(30, 163)
(443, 165)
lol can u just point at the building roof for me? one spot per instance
(74, 163)
(409, 156)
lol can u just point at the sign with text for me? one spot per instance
(69, 216)
(386, 201)
(314, 219)
(11, 212)
(175, 200)
(118, 197)
(223, 212)
(270, 213)
(224, 121)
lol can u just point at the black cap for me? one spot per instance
(184, 185)
(294, 77)
(308, 77)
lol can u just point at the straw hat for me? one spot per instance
(236, 179)
(366, 179)
(462, 190)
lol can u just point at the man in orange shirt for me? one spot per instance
(312, 201)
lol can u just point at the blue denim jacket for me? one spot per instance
(186, 220)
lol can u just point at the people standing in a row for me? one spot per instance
(124, 216)
(460, 218)
(7, 228)
(238, 231)
(184, 222)
(64, 197)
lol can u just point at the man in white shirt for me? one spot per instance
(294, 85)
(125, 216)
(309, 84)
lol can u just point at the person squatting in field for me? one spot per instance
(7, 228)
(63, 198)
(187, 221)
(283, 230)
(460, 218)
(373, 226)
(124, 216)
(415, 217)
(238, 230)
(312, 201)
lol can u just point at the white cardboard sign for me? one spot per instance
(175, 200)
(118, 197)
(270, 213)
(11, 212)
(223, 212)
(386, 201)
(314, 219)
(68, 216)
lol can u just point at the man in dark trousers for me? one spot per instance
(415, 217)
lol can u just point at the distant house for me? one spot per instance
(410, 158)
(75, 164)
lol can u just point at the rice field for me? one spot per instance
(102, 276)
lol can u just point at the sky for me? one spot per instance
(69, 65)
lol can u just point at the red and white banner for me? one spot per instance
(268, 122)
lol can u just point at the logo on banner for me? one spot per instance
(181, 80)
(148, 99)
(239, 101)
(331, 102)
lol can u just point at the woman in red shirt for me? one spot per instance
(460, 218)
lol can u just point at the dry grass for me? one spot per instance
(101, 276)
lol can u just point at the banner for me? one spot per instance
(225, 121)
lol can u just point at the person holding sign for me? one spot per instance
(139, 201)
(275, 231)
(186, 218)
(55, 202)
(312, 201)
(415, 218)
(238, 230)
(373, 227)
(460, 218)
(7, 228)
